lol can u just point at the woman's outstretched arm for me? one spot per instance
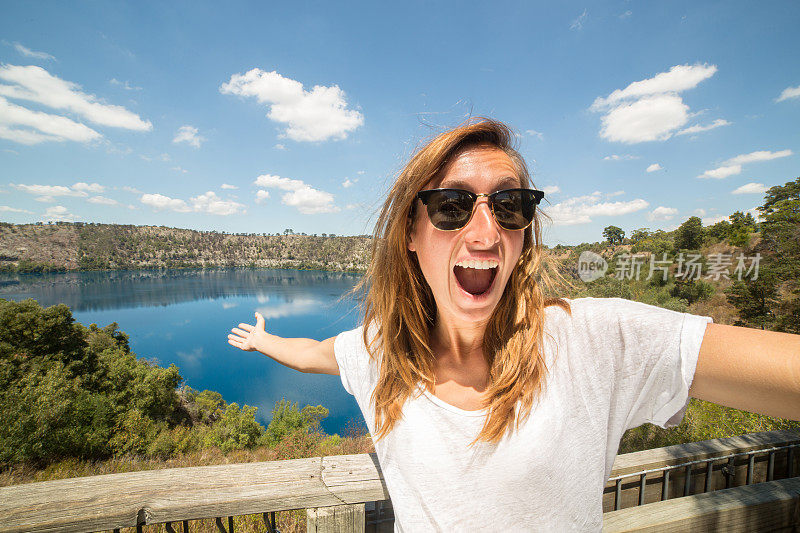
(305, 355)
(749, 369)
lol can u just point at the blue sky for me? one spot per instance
(256, 117)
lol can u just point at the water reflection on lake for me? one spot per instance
(183, 317)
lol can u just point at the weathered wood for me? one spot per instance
(339, 519)
(137, 498)
(768, 506)
(354, 478)
(672, 455)
(148, 497)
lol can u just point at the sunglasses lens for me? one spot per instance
(514, 209)
(449, 209)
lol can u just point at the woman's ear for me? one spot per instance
(410, 229)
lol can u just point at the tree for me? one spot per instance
(640, 234)
(689, 236)
(613, 235)
(755, 300)
(780, 242)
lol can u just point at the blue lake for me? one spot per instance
(184, 316)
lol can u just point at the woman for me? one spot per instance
(491, 405)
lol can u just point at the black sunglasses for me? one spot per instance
(451, 209)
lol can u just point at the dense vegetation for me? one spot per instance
(67, 391)
(83, 246)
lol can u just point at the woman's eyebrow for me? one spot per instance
(455, 183)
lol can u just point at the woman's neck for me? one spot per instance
(460, 342)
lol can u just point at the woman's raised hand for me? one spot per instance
(247, 337)
(305, 355)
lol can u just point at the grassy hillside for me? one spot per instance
(80, 246)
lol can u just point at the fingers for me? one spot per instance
(259, 321)
(247, 327)
(239, 332)
(235, 343)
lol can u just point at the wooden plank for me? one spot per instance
(354, 478)
(339, 519)
(672, 455)
(630, 486)
(125, 500)
(761, 507)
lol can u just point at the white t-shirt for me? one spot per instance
(613, 365)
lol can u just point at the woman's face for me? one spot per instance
(467, 270)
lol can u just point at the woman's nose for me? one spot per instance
(482, 228)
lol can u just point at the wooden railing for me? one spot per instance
(335, 490)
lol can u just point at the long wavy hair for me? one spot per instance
(399, 308)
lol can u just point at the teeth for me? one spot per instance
(479, 265)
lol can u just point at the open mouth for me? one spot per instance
(475, 277)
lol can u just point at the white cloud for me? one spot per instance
(662, 213)
(534, 133)
(279, 146)
(654, 167)
(679, 78)
(347, 183)
(551, 189)
(46, 193)
(751, 188)
(7, 209)
(88, 187)
(160, 202)
(577, 24)
(59, 213)
(708, 221)
(316, 115)
(615, 193)
(212, 204)
(261, 196)
(789, 92)
(102, 200)
(700, 212)
(698, 128)
(754, 157)
(310, 201)
(21, 125)
(124, 84)
(653, 118)
(179, 169)
(580, 209)
(27, 52)
(361, 172)
(134, 190)
(228, 186)
(205, 203)
(722, 172)
(35, 84)
(623, 157)
(733, 166)
(650, 109)
(188, 134)
(626, 14)
(305, 198)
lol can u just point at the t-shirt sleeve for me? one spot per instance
(653, 355)
(356, 370)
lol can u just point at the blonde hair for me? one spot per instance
(399, 309)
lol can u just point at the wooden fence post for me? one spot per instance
(338, 519)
